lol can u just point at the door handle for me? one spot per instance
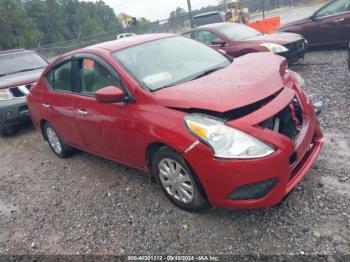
(46, 105)
(82, 112)
(339, 20)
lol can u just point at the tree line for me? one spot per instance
(31, 23)
(35, 23)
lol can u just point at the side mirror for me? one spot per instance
(218, 42)
(110, 94)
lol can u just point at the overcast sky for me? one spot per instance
(154, 9)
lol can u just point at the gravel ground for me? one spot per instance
(88, 205)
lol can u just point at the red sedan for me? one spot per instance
(237, 40)
(209, 130)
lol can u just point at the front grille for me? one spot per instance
(287, 122)
(297, 46)
(20, 91)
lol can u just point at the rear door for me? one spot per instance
(59, 100)
(332, 23)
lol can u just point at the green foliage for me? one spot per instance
(177, 18)
(16, 28)
(33, 22)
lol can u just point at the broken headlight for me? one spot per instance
(225, 141)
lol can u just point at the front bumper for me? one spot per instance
(289, 164)
(293, 57)
(14, 112)
(296, 51)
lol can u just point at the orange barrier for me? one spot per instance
(267, 26)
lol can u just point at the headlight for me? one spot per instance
(275, 48)
(5, 94)
(226, 141)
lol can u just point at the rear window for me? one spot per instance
(60, 78)
(237, 32)
(208, 19)
(20, 62)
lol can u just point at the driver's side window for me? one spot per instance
(205, 37)
(94, 76)
(336, 7)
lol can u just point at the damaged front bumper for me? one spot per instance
(260, 183)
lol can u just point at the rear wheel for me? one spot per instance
(178, 181)
(55, 142)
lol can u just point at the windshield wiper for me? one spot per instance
(208, 72)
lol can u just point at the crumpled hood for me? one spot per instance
(277, 38)
(20, 78)
(247, 80)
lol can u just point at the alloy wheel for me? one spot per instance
(54, 140)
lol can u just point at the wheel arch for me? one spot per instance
(42, 125)
(149, 153)
(153, 148)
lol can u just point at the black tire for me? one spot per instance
(199, 201)
(65, 150)
(6, 131)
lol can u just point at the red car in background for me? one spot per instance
(237, 40)
(329, 26)
(209, 130)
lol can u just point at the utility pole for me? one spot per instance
(263, 3)
(190, 12)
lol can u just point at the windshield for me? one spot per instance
(19, 62)
(170, 61)
(237, 31)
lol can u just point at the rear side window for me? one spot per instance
(60, 78)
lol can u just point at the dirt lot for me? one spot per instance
(87, 205)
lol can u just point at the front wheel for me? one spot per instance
(56, 144)
(178, 182)
(6, 131)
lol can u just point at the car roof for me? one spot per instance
(207, 14)
(119, 44)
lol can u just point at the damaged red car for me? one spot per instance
(210, 130)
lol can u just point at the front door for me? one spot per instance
(331, 24)
(106, 129)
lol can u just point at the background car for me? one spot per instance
(208, 18)
(329, 26)
(237, 40)
(209, 130)
(19, 70)
(121, 36)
